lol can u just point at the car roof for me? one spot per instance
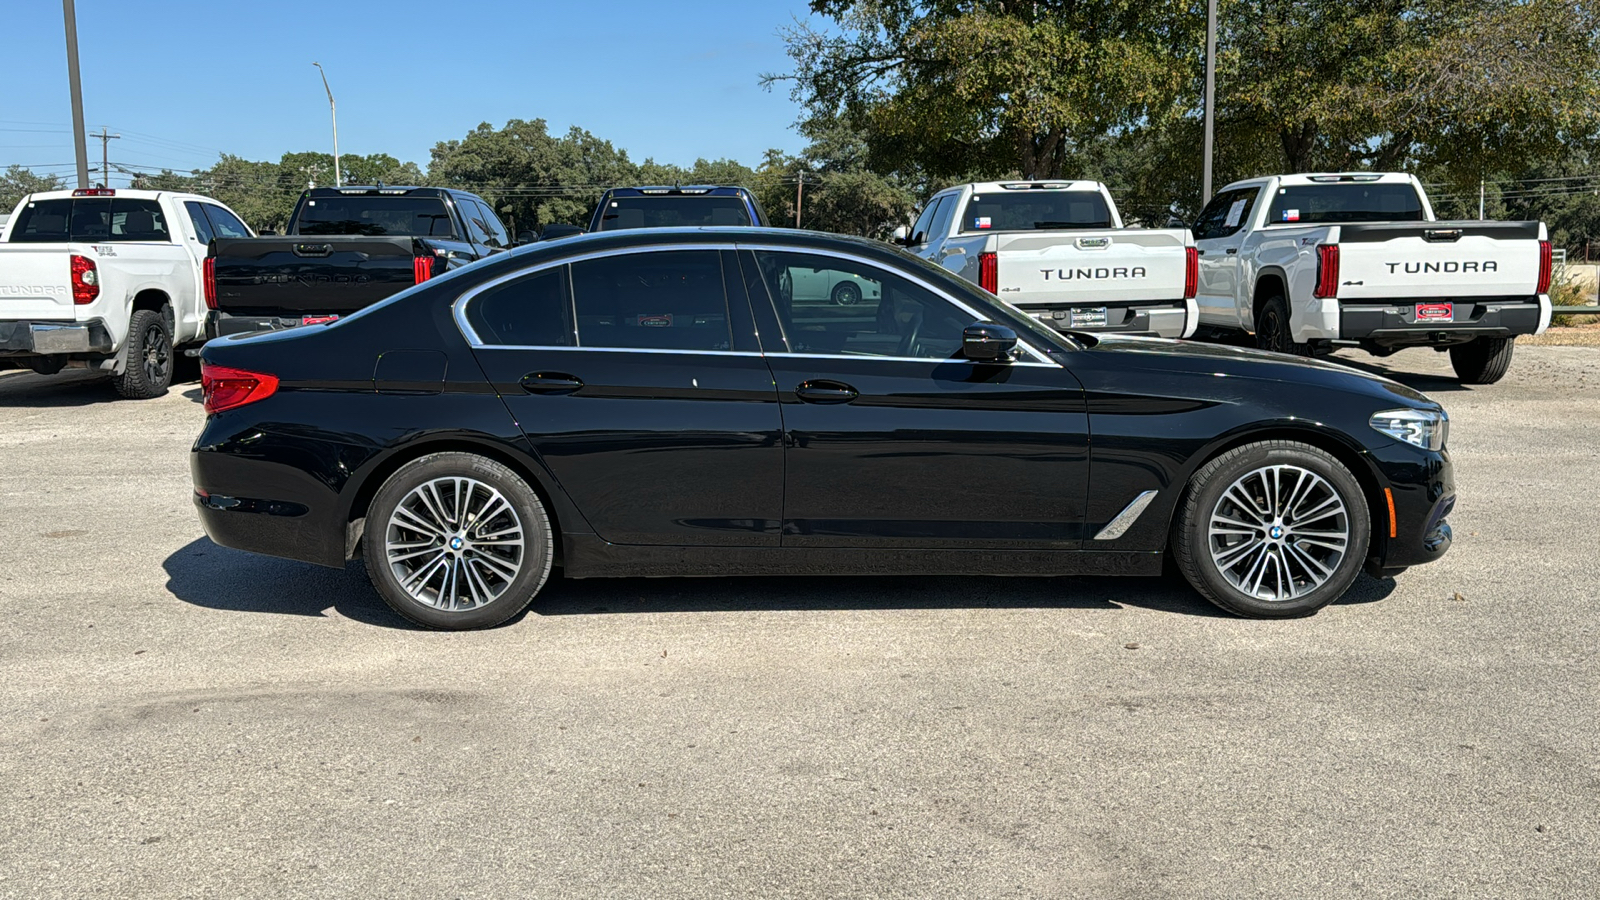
(1037, 184)
(713, 190)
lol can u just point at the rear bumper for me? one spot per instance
(1172, 319)
(26, 338)
(1394, 324)
(266, 507)
(221, 324)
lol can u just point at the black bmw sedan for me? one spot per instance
(680, 402)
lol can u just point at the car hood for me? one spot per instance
(1189, 357)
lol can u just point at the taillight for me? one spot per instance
(85, 280)
(421, 268)
(210, 273)
(1546, 268)
(1191, 274)
(989, 272)
(1327, 271)
(226, 388)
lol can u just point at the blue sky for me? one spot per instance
(184, 80)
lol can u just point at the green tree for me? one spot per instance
(17, 182)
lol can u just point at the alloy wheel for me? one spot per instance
(1279, 532)
(157, 355)
(454, 544)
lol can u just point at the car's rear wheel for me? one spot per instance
(1482, 361)
(147, 372)
(846, 294)
(1273, 332)
(457, 541)
(1274, 530)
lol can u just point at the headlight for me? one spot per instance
(1425, 428)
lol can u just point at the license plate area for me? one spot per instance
(1435, 313)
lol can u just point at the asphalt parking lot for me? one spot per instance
(187, 721)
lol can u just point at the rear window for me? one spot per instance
(673, 211)
(376, 216)
(1327, 203)
(1035, 209)
(98, 219)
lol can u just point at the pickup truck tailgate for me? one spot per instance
(35, 282)
(1440, 260)
(1090, 267)
(311, 274)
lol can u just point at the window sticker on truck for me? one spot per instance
(1235, 213)
(1291, 215)
(981, 222)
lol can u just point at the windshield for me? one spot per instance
(1330, 203)
(1036, 209)
(672, 211)
(376, 216)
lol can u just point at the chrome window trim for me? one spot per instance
(459, 308)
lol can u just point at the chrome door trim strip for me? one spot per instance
(1130, 514)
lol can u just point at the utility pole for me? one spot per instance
(1480, 199)
(799, 195)
(71, 16)
(1211, 94)
(338, 179)
(105, 158)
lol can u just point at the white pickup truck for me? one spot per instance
(107, 279)
(1057, 250)
(1311, 262)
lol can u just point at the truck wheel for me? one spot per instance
(1272, 329)
(457, 541)
(148, 370)
(1272, 530)
(1483, 361)
(846, 294)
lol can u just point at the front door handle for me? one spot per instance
(823, 391)
(550, 383)
(1199, 253)
(1232, 250)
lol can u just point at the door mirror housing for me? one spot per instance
(558, 230)
(1175, 222)
(527, 237)
(901, 235)
(988, 342)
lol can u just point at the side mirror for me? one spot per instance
(1175, 222)
(527, 237)
(266, 232)
(899, 235)
(988, 341)
(558, 230)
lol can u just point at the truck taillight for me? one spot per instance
(210, 272)
(225, 388)
(989, 272)
(85, 280)
(1546, 268)
(421, 268)
(1327, 271)
(1191, 274)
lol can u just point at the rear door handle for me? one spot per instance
(550, 383)
(1232, 250)
(823, 391)
(1199, 253)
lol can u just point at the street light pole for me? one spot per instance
(76, 86)
(1211, 91)
(338, 179)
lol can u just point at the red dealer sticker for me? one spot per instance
(317, 320)
(1436, 312)
(662, 321)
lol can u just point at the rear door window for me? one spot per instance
(43, 221)
(669, 300)
(472, 215)
(197, 218)
(226, 224)
(497, 232)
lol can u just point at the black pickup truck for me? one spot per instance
(344, 249)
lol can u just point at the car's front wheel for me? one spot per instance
(457, 541)
(1275, 529)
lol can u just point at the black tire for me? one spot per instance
(1196, 551)
(1482, 361)
(1272, 329)
(466, 563)
(846, 293)
(148, 370)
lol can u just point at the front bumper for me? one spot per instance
(27, 338)
(1414, 530)
(1395, 324)
(1175, 319)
